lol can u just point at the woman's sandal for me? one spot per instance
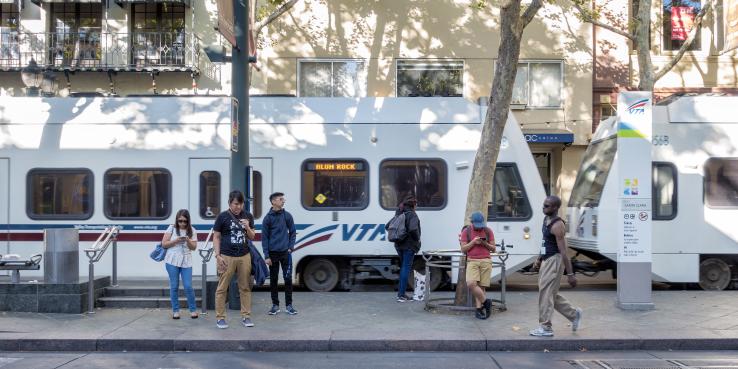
(194, 315)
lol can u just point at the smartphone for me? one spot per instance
(483, 238)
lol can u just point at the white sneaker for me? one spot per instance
(577, 320)
(542, 332)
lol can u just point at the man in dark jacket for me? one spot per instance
(278, 241)
(409, 246)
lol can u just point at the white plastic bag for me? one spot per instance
(419, 290)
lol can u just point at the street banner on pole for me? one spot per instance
(225, 20)
(634, 183)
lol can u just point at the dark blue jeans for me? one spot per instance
(186, 273)
(406, 265)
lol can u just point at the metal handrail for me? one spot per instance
(95, 253)
(206, 253)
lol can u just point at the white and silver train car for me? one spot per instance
(695, 193)
(342, 163)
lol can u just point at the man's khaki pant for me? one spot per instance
(549, 281)
(242, 266)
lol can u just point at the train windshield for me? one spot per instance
(593, 173)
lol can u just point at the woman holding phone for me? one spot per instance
(179, 240)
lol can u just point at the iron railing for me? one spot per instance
(91, 49)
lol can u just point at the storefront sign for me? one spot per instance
(682, 20)
(634, 175)
(549, 137)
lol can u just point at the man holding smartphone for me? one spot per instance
(476, 241)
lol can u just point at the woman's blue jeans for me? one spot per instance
(406, 264)
(186, 273)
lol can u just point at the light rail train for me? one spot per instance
(91, 162)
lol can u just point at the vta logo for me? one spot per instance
(639, 107)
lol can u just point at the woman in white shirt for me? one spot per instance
(179, 240)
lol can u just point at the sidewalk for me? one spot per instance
(373, 321)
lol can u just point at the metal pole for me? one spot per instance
(91, 290)
(115, 260)
(240, 91)
(204, 289)
(503, 282)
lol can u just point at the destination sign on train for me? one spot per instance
(335, 166)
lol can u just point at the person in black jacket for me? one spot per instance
(278, 241)
(408, 247)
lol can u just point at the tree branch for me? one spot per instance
(258, 26)
(687, 43)
(530, 13)
(587, 17)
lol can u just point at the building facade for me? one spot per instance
(708, 67)
(319, 48)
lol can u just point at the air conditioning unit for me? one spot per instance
(514, 106)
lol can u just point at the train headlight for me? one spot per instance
(594, 225)
(526, 235)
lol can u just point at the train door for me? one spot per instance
(4, 206)
(208, 195)
(261, 186)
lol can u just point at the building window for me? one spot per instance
(538, 84)
(678, 21)
(430, 78)
(721, 183)
(9, 48)
(59, 194)
(332, 78)
(509, 200)
(426, 179)
(138, 193)
(335, 184)
(158, 33)
(664, 191)
(76, 30)
(209, 194)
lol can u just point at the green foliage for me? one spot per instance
(264, 8)
(478, 4)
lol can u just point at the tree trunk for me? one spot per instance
(643, 46)
(485, 162)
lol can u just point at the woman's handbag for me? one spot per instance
(159, 253)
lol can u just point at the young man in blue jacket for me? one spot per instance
(278, 241)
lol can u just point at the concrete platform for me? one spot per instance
(373, 321)
(39, 297)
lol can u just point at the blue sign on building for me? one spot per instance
(565, 138)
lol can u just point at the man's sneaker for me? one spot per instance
(221, 324)
(542, 332)
(274, 310)
(577, 320)
(402, 299)
(487, 307)
(290, 310)
(247, 322)
(480, 314)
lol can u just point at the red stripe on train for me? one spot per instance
(92, 237)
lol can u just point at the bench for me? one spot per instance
(15, 264)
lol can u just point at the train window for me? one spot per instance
(509, 201)
(258, 194)
(593, 173)
(209, 194)
(664, 191)
(721, 182)
(424, 178)
(59, 194)
(138, 193)
(329, 184)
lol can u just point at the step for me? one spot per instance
(142, 302)
(145, 291)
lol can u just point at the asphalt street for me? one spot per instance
(360, 360)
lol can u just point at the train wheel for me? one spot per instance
(321, 275)
(714, 274)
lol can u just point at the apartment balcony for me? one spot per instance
(101, 51)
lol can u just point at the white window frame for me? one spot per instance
(299, 73)
(561, 91)
(429, 61)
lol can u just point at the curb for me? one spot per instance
(142, 345)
